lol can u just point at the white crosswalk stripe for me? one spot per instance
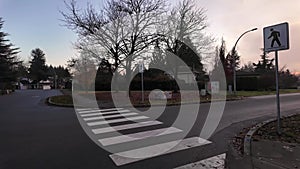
(116, 120)
(125, 127)
(111, 116)
(138, 136)
(217, 162)
(99, 110)
(83, 109)
(104, 113)
(139, 154)
(135, 155)
(111, 109)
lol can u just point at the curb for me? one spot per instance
(183, 103)
(49, 101)
(245, 161)
(248, 137)
(250, 133)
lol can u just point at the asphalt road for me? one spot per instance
(35, 135)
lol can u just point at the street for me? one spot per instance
(35, 135)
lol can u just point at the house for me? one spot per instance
(185, 74)
(45, 85)
(23, 84)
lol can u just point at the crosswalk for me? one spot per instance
(105, 125)
(216, 162)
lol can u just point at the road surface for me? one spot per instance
(35, 135)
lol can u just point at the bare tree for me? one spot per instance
(142, 17)
(123, 29)
(84, 72)
(185, 24)
(100, 33)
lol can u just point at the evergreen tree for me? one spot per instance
(8, 61)
(104, 75)
(223, 60)
(59, 75)
(221, 57)
(38, 68)
(190, 57)
(231, 58)
(265, 67)
(265, 64)
(249, 67)
(287, 80)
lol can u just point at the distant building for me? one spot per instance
(248, 81)
(23, 84)
(26, 83)
(186, 74)
(45, 85)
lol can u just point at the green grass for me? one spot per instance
(262, 93)
(62, 100)
(66, 99)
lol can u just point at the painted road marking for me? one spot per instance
(111, 109)
(217, 162)
(83, 109)
(99, 110)
(138, 136)
(139, 154)
(105, 113)
(116, 120)
(143, 153)
(125, 127)
(111, 116)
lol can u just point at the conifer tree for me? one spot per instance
(8, 60)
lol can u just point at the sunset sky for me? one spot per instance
(35, 23)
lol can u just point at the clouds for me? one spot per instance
(230, 18)
(36, 24)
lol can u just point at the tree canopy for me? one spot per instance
(8, 60)
(38, 68)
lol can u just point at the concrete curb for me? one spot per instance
(248, 137)
(250, 133)
(49, 101)
(182, 103)
(234, 160)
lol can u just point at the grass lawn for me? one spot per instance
(136, 96)
(62, 99)
(262, 93)
(290, 127)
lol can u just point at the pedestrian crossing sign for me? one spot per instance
(276, 37)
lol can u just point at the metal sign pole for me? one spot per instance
(141, 70)
(142, 74)
(277, 93)
(276, 38)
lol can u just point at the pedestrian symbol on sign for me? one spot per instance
(275, 35)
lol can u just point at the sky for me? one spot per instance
(36, 24)
(230, 18)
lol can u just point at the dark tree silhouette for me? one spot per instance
(123, 29)
(8, 60)
(38, 68)
(191, 58)
(185, 28)
(221, 59)
(264, 64)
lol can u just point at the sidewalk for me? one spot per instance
(263, 153)
(275, 155)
